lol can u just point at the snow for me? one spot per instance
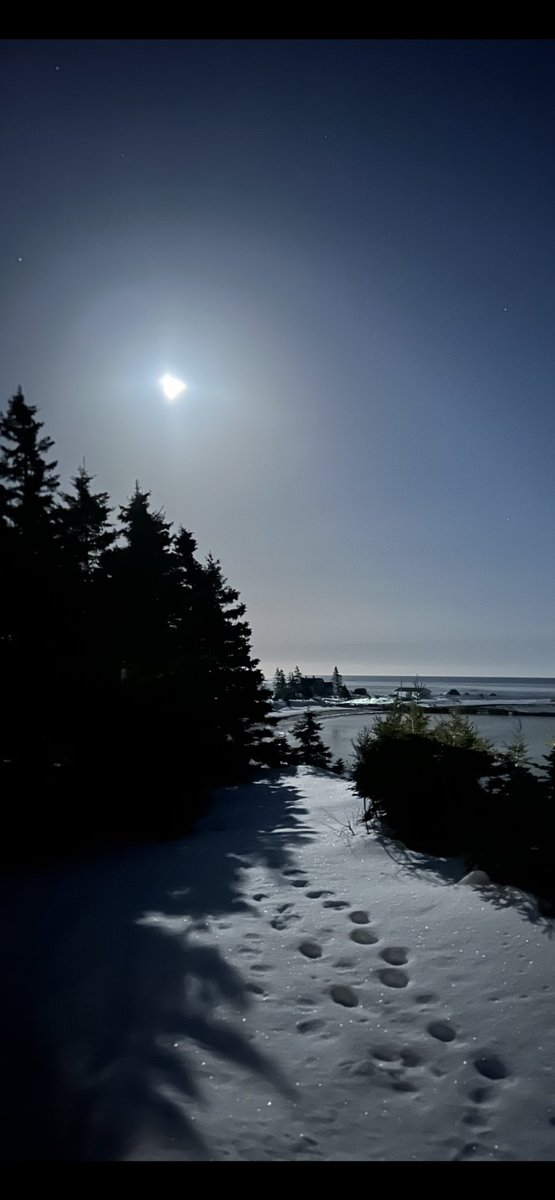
(278, 986)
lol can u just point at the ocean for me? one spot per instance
(510, 690)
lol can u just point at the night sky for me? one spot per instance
(347, 251)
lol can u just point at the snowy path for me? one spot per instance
(276, 988)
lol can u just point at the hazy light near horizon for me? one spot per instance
(172, 387)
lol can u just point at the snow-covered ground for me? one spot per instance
(275, 987)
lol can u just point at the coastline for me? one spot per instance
(472, 708)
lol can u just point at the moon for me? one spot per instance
(172, 387)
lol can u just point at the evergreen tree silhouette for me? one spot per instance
(140, 587)
(90, 673)
(84, 524)
(125, 660)
(280, 685)
(312, 750)
(144, 581)
(297, 681)
(31, 587)
(227, 687)
(241, 682)
(29, 482)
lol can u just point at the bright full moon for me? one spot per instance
(172, 387)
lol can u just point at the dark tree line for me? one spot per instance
(296, 686)
(128, 681)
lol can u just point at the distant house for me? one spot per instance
(415, 691)
(313, 687)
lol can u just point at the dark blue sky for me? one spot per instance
(347, 250)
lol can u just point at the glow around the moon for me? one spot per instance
(172, 387)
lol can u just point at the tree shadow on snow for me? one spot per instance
(115, 992)
(449, 871)
(445, 871)
(528, 905)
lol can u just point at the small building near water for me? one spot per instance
(415, 691)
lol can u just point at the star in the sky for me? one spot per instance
(20, 258)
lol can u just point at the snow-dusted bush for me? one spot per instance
(446, 791)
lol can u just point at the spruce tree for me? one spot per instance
(86, 651)
(280, 685)
(144, 582)
(312, 750)
(141, 586)
(240, 703)
(29, 482)
(549, 771)
(84, 524)
(31, 613)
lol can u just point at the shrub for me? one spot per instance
(446, 791)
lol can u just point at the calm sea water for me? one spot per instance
(538, 732)
(522, 689)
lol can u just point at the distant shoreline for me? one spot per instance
(546, 710)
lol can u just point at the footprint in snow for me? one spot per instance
(317, 894)
(442, 1031)
(335, 904)
(476, 1120)
(396, 956)
(389, 1053)
(296, 878)
(311, 1025)
(359, 917)
(345, 995)
(491, 1066)
(311, 948)
(404, 1085)
(411, 1058)
(394, 977)
(386, 1053)
(364, 937)
(481, 1095)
